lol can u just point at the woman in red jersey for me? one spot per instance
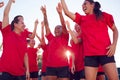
(14, 59)
(98, 48)
(57, 64)
(77, 47)
(44, 47)
(32, 58)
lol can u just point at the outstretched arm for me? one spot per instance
(59, 10)
(66, 11)
(34, 31)
(1, 4)
(43, 9)
(5, 21)
(74, 37)
(42, 39)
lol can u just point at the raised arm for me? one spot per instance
(5, 21)
(74, 37)
(43, 9)
(42, 39)
(66, 11)
(59, 10)
(34, 31)
(1, 4)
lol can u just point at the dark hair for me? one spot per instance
(96, 10)
(15, 20)
(28, 40)
(91, 1)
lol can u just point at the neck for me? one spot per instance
(17, 31)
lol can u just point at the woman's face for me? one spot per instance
(58, 30)
(20, 25)
(88, 7)
(32, 43)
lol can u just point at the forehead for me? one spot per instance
(58, 27)
(86, 2)
(20, 18)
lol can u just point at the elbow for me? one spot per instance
(66, 12)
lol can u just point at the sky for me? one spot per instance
(30, 9)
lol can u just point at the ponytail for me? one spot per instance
(16, 20)
(97, 11)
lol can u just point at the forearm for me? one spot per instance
(5, 21)
(66, 11)
(115, 36)
(62, 23)
(74, 37)
(32, 36)
(46, 24)
(26, 62)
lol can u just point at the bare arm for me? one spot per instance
(5, 21)
(74, 37)
(43, 9)
(66, 11)
(59, 10)
(34, 31)
(112, 47)
(42, 39)
(42, 31)
(26, 65)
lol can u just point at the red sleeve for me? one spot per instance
(49, 37)
(108, 19)
(6, 30)
(77, 18)
(44, 47)
(27, 33)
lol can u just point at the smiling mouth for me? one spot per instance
(84, 9)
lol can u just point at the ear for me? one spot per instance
(15, 24)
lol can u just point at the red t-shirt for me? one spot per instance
(79, 56)
(57, 50)
(32, 57)
(44, 57)
(100, 69)
(14, 49)
(95, 33)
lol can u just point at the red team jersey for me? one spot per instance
(32, 57)
(57, 50)
(44, 57)
(79, 55)
(95, 33)
(14, 49)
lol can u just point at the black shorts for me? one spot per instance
(60, 72)
(95, 61)
(8, 76)
(100, 73)
(34, 74)
(43, 74)
(79, 75)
